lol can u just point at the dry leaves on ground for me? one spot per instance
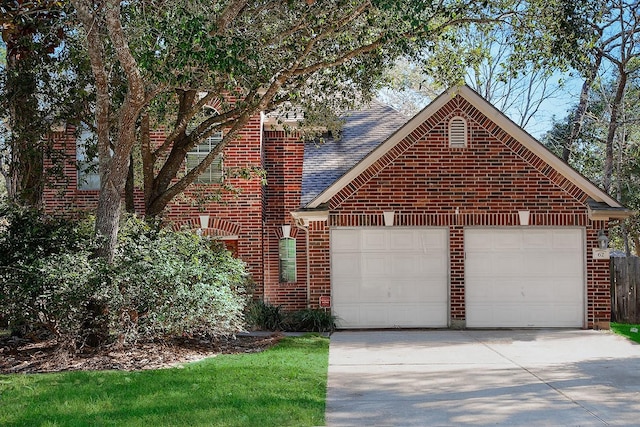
(18, 355)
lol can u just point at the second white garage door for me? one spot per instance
(524, 277)
(389, 277)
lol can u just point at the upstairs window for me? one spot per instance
(214, 173)
(87, 161)
(457, 132)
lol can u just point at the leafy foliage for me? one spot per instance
(263, 315)
(171, 283)
(161, 283)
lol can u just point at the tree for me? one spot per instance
(513, 62)
(245, 57)
(42, 82)
(616, 35)
(589, 153)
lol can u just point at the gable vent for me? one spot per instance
(457, 132)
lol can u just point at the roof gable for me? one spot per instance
(505, 130)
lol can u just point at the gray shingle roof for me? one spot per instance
(363, 131)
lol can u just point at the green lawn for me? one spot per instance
(283, 386)
(625, 329)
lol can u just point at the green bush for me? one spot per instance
(173, 283)
(263, 315)
(161, 282)
(46, 275)
(311, 320)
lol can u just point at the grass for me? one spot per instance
(624, 329)
(283, 386)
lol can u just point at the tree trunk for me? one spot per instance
(581, 111)
(26, 168)
(129, 187)
(607, 178)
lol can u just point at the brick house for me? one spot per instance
(455, 218)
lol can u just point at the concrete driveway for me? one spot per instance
(506, 377)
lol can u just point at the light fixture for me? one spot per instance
(204, 221)
(389, 217)
(286, 231)
(524, 217)
(603, 240)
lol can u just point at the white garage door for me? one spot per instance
(389, 277)
(520, 277)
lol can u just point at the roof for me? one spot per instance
(604, 201)
(363, 131)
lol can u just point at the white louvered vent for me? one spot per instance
(457, 132)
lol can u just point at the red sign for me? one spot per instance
(325, 301)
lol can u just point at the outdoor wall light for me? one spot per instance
(603, 240)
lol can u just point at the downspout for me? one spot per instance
(299, 222)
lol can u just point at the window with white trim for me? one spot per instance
(287, 258)
(214, 173)
(87, 161)
(457, 132)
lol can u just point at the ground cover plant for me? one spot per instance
(627, 330)
(282, 386)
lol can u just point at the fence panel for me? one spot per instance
(625, 298)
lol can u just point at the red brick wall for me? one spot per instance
(283, 158)
(427, 183)
(240, 215)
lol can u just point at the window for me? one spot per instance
(287, 255)
(214, 173)
(457, 132)
(87, 162)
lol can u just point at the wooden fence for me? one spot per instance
(625, 297)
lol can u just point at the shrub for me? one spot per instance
(46, 275)
(265, 316)
(161, 282)
(172, 283)
(312, 320)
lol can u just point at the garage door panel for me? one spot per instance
(534, 240)
(374, 265)
(506, 241)
(507, 264)
(404, 241)
(347, 241)
(566, 264)
(349, 293)
(567, 240)
(401, 278)
(347, 265)
(480, 241)
(539, 284)
(374, 241)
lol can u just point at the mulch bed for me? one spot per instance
(19, 355)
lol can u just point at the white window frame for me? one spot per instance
(214, 174)
(458, 132)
